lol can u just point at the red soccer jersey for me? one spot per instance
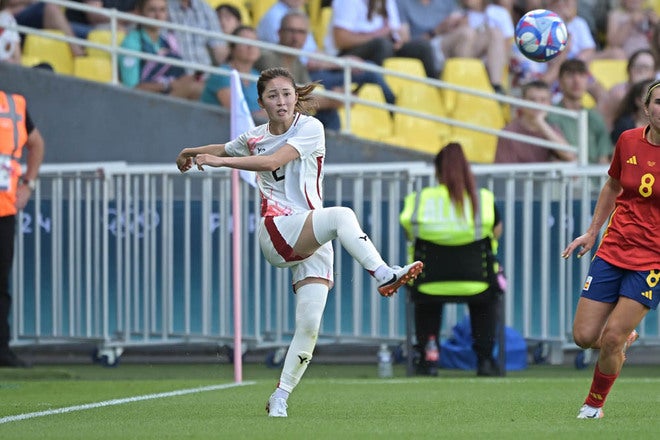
(632, 238)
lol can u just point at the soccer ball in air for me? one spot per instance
(541, 35)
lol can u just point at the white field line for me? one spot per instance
(112, 402)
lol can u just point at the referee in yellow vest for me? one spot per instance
(16, 132)
(454, 212)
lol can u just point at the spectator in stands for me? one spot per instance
(195, 47)
(454, 212)
(641, 65)
(532, 122)
(17, 132)
(154, 76)
(41, 15)
(630, 113)
(269, 25)
(655, 42)
(442, 24)
(229, 17)
(242, 57)
(10, 40)
(630, 26)
(82, 22)
(493, 43)
(373, 31)
(573, 80)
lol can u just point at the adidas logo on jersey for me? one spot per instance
(632, 160)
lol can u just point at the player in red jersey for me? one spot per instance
(624, 278)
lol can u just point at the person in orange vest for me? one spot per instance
(16, 131)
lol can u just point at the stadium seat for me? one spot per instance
(314, 11)
(411, 66)
(241, 5)
(30, 60)
(93, 68)
(416, 132)
(320, 27)
(259, 8)
(479, 147)
(55, 52)
(466, 72)
(609, 72)
(369, 122)
(103, 37)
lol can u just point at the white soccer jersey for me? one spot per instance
(298, 186)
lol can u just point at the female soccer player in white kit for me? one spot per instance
(295, 230)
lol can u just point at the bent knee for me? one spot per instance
(584, 339)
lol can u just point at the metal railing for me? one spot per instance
(132, 255)
(347, 98)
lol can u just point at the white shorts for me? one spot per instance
(278, 235)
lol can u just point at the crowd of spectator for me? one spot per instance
(431, 31)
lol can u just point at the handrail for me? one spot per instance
(345, 64)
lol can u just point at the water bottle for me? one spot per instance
(384, 362)
(432, 355)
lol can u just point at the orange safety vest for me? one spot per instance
(13, 136)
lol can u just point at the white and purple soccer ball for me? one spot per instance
(541, 35)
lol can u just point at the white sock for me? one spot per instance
(340, 222)
(282, 394)
(310, 303)
(383, 273)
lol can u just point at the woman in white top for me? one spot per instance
(373, 30)
(287, 154)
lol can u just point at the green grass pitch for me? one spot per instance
(332, 402)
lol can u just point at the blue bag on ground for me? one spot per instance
(456, 351)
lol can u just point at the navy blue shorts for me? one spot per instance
(606, 283)
(32, 16)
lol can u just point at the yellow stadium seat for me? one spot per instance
(418, 133)
(314, 11)
(609, 72)
(93, 68)
(103, 37)
(241, 5)
(425, 99)
(55, 52)
(30, 60)
(367, 121)
(320, 27)
(259, 8)
(479, 147)
(411, 66)
(466, 72)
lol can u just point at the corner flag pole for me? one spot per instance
(241, 121)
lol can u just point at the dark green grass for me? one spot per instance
(332, 402)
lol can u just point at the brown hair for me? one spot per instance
(305, 104)
(377, 7)
(453, 170)
(649, 91)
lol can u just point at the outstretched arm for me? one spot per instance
(604, 207)
(185, 157)
(269, 162)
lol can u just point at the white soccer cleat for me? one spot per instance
(590, 412)
(276, 407)
(400, 277)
